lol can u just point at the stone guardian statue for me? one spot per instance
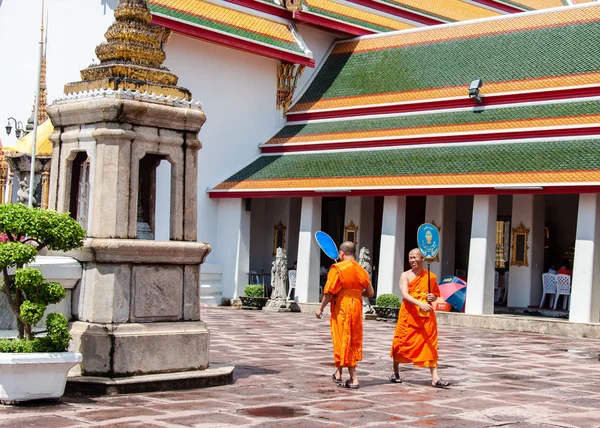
(364, 258)
(278, 300)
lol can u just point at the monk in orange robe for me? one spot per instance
(347, 283)
(416, 335)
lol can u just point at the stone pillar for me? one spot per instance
(525, 285)
(391, 254)
(482, 256)
(137, 296)
(233, 233)
(441, 210)
(585, 289)
(309, 253)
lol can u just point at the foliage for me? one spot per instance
(56, 340)
(388, 301)
(253, 290)
(24, 232)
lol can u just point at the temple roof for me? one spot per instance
(441, 169)
(219, 23)
(515, 53)
(372, 122)
(467, 124)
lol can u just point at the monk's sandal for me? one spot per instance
(395, 378)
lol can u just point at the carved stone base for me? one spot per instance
(116, 350)
(255, 303)
(281, 306)
(386, 314)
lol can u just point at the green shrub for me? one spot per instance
(388, 301)
(253, 290)
(27, 231)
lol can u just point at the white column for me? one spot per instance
(585, 290)
(391, 253)
(233, 251)
(442, 211)
(309, 256)
(482, 256)
(525, 285)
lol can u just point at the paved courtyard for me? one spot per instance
(282, 379)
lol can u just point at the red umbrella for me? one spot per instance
(454, 292)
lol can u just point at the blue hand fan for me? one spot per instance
(327, 245)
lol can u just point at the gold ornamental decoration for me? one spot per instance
(287, 79)
(520, 237)
(293, 5)
(132, 56)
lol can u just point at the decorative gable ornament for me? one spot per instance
(287, 79)
(293, 5)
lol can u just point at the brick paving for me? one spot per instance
(282, 379)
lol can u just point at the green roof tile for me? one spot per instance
(519, 55)
(575, 155)
(511, 113)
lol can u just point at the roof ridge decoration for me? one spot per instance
(516, 53)
(132, 56)
(127, 94)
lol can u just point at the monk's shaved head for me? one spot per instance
(347, 248)
(416, 252)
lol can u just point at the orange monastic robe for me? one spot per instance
(416, 337)
(346, 281)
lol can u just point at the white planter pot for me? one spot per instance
(33, 376)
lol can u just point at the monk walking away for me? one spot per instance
(347, 283)
(416, 335)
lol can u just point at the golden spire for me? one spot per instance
(131, 57)
(43, 92)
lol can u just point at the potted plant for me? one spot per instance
(387, 307)
(34, 365)
(253, 297)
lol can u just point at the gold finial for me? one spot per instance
(132, 56)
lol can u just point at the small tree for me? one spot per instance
(27, 231)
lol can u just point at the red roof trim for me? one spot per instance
(488, 100)
(468, 138)
(270, 9)
(402, 13)
(547, 190)
(222, 39)
(323, 22)
(499, 6)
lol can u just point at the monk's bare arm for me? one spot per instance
(326, 299)
(406, 295)
(369, 291)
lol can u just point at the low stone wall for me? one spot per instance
(554, 327)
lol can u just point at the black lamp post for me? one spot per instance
(19, 131)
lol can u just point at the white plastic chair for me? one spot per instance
(496, 288)
(291, 282)
(563, 288)
(549, 287)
